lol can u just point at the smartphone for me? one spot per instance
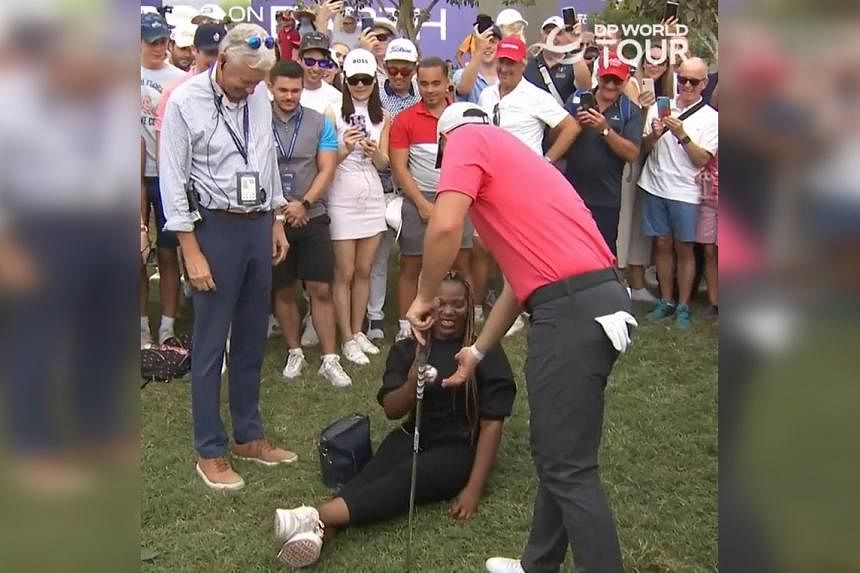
(484, 23)
(648, 85)
(587, 101)
(356, 120)
(664, 107)
(569, 16)
(671, 11)
(366, 23)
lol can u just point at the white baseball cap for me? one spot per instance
(180, 15)
(401, 49)
(456, 115)
(554, 21)
(183, 35)
(509, 16)
(385, 23)
(358, 62)
(394, 215)
(213, 11)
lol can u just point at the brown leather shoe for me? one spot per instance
(262, 452)
(217, 474)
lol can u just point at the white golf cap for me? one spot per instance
(148, 10)
(554, 21)
(183, 35)
(180, 15)
(394, 215)
(358, 62)
(509, 16)
(461, 113)
(401, 49)
(385, 23)
(213, 11)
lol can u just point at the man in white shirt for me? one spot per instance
(518, 106)
(679, 148)
(155, 75)
(315, 59)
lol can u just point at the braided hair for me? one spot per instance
(469, 336)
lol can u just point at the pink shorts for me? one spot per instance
(706, 231)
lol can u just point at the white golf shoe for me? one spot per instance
(504, 565)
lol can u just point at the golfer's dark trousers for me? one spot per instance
(568, 363)
(239, 253)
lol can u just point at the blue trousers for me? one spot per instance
(239, 253)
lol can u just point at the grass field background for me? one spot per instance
(658, 465)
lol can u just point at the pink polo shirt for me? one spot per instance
(165, 95)
(526, 212)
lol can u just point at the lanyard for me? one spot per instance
(246, 125)
(288, 155)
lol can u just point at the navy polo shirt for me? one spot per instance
(593, 168)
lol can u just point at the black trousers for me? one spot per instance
(381, 490)
(568, 363)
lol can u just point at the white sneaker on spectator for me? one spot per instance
(295, 363)
(504, 565)
(479, 314)
(651, 277)
(352, 352)
(302, 550)
(289, 522)
(145, 339)
(331, 370)
(517, 326)
(365, 344)
(642, 295)
(274, 327)
(309, 336)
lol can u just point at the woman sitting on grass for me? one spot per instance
(460, 432)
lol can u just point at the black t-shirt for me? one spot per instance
(593, 168)
(444, 416)
(561, 75)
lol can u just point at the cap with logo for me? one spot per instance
(512, 49)
(359, 62)
(210, 12)
(554, 21)
(314, 41)
(153, 27)
(208, 36)
(612, 66)
(183, 35)
(510, 16)
(348, 13)
(401, 49)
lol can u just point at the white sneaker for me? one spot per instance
(274, 327)
(403, 335)
(642, 295)
(145, 338)
(295, 363)
(479, 314)
(332, 371)
(301, 550)
(309, 336)
(365, 344)
(517, 326)
(504, 565)
(352, 352)
(289, 522)
(651, 277)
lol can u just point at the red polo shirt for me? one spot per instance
(288, 42)
(415, 129)
(527, 213)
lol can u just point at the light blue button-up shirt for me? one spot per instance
(196, 144)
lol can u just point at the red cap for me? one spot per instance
(511, 48)
(613, 66)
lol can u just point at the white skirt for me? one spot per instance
(356, 205)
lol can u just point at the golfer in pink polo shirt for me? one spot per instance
(559, 268)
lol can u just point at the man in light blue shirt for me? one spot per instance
(480, 72)
(220, 186)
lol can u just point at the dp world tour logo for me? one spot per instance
(673, 43)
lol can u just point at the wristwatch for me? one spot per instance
(605, 132)
(684, 140)
(306, 204)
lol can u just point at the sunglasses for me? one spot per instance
(256, 42)
(360, 79)
(496, 119)
(394, 71)
(615, 80)
(383, 37)
(692, 81)
(324, 63)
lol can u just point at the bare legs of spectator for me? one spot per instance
(636, 277)
(686, 270)
(712, 273)
(353, 261)
(168, 286)
(664, 259)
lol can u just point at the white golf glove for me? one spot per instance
(615, 327)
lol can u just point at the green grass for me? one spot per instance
(658, 458)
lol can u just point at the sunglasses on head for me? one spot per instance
(395, 71)
(323, 63)
(255, 42)
(360, 79)
(692, 81)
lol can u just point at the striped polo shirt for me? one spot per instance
(415, 129)
(395, 103)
